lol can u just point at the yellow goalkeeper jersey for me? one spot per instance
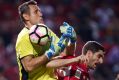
(25, 48)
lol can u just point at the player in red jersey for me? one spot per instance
(92, 55)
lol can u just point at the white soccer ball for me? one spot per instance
(39, 34)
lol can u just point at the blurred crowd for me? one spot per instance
(92, 20)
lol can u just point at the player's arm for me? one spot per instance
(60, 62)
(63, 62)
(30, 62)
(25, 50)
(69, 33)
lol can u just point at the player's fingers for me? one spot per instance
(82, 58)
(65, 24)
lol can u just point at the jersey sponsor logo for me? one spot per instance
(78, 73)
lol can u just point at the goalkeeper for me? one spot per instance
(32, 59)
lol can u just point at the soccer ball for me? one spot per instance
(39, 34)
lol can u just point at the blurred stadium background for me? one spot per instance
(92, 19)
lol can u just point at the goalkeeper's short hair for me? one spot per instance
(24, 8)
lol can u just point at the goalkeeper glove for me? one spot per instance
(56, 49)
(63, 42)
(68, 32)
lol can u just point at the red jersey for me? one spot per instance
(74, 71)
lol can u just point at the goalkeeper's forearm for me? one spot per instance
(56, 49)
(30, 62)
(61, 45)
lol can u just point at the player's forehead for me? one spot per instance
(33, 8)
(100, 53)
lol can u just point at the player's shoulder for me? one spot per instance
(24, 34)
(68, 57)
(51, 32)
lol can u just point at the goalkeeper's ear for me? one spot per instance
(26, 17)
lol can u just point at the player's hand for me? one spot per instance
(68, 32)
(82, 59)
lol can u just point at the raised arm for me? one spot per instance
(30, 63)
(69, 33)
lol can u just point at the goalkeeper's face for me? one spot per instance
(35, 16)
